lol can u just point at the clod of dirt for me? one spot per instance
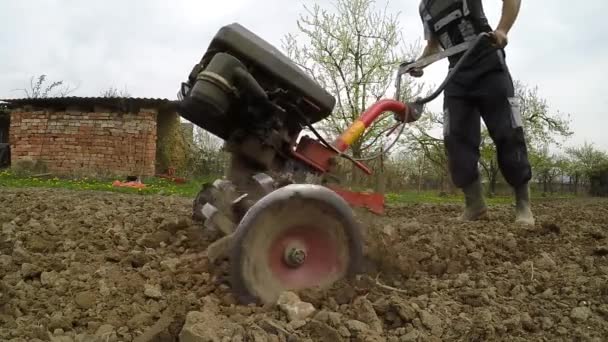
(546, 323)
(154, 240)
(106, 333)
(113, 256)
(411, 336)
(29, 271)
(527, 323)
(361, 331)
(6, 261)
(322, 332)
(152, 291)
(356, 326)
(58, 321)
(85, 299)
(597, 234)
(603, 310)
(49, 278)
(364, 311)
(136, 260)
(294, 307)
(601, 251)
(431, 322)
(580, 314)
(545, 262)
(405, 311)
(140, 320)
(170, 264)
(20, 255)
(208, 325)
(5, 295)
(172, 225)
(461, 280)
(550, 228)
(8, 228)
(161, 330)
(38, 244)
(57, 336)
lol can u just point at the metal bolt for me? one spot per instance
(295, 257)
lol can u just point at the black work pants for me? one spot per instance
(491, 98)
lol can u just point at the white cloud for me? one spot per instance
(149, 46)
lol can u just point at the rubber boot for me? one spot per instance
(475, 206)
(523, 212)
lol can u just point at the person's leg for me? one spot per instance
(461, 125)
(500, 111)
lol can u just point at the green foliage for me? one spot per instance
(157, 186)
(598, 180)
(172, 149)
(542, 126)
(586, 161)
(547, 166)
(587, 158)
(206, 156)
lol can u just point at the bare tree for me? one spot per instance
(542, 126)
(38, 88)
(114, 92)
(352, 50)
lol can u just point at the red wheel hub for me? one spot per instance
(303, 256)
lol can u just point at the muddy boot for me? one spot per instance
(523, 213)
(475, 206)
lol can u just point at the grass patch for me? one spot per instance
(154, 185)
(160, 186)
(434, 197)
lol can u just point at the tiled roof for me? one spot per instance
(115, 102)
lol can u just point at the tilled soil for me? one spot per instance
(93, 266)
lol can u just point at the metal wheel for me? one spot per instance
(298, 236)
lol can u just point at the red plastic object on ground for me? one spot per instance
(135, 184)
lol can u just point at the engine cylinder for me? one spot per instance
(208, 103)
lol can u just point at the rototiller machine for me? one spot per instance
(284, 226)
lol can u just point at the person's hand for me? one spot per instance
(416, 72)
(500, 38)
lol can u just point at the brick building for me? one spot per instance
(96, 135)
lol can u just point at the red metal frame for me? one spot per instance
(321, 158)
(402, 110)
(371, 200)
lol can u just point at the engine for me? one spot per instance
(248, 93)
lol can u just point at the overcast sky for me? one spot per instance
(149, 46)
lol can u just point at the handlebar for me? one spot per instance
(403, 113)
(406, 67)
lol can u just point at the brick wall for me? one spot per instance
(86, 142)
